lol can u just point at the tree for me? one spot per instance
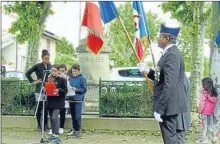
(122, 54)
(65, 53)
(29, 25)
(215, 51)
(194, 15)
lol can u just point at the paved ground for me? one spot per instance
(29, 136)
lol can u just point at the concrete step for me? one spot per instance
(89, 122)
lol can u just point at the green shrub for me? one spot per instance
(125, 101)
(17, 97)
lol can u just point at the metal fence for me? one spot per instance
(116, 99)
(17, 97)
(125, 99)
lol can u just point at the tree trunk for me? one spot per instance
(214, 51)
(197, 54)
(34, 40)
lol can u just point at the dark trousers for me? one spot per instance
(76, 111)
(62, 117)
(180, 136)
(169, 129)
(54, 120)
(39, 111)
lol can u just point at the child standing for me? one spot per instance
(78, 84)
(63, 74)
(55, 103)
(206, 108)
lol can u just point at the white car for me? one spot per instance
(126, 74)
(129, 74)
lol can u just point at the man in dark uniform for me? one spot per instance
(183, 119)
(169, 98)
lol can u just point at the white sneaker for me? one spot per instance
(50, 132)
(202, 141)
(71, 133)
(61, 130)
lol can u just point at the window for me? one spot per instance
(48, 45)
(132, 73)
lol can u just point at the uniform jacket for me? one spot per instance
(39, 70)
(183, 120)
(169, 97)
(58, 101)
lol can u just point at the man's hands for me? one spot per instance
(143, 67)
(157, 116)
(73, 88)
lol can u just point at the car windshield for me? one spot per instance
(133, 73)
(14, 74)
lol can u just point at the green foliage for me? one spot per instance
(17, 97)
(125, 101)
(65, 53)
(122, 54)
(29, 25)
(206, 67)
(3, 59)
(29, 18)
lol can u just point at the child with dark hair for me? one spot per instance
(55, 103)
(40, 70)
(63, 73)
(208, 99)
(77, 82)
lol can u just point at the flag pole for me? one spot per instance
(132, 46)
(152, 55)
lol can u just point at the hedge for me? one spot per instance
(17, 97)
(125, 101)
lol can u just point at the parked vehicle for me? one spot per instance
(126, 74)
(15, 74)
(129, 74)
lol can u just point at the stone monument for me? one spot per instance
(93, 68)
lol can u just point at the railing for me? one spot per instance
(116, 99)
(124, 99)
(17, 97)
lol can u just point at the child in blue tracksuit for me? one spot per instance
(77, 82)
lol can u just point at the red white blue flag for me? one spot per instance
(141, 27)
(97, 13)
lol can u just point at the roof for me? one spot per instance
(6, 36)
(46, 32)
(51, 35)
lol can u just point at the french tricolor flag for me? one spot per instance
(141, 27)
(97, 13)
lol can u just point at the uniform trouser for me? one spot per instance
(169, 129)
(180, 136)
(54, 120)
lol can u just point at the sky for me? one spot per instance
(66, 20)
